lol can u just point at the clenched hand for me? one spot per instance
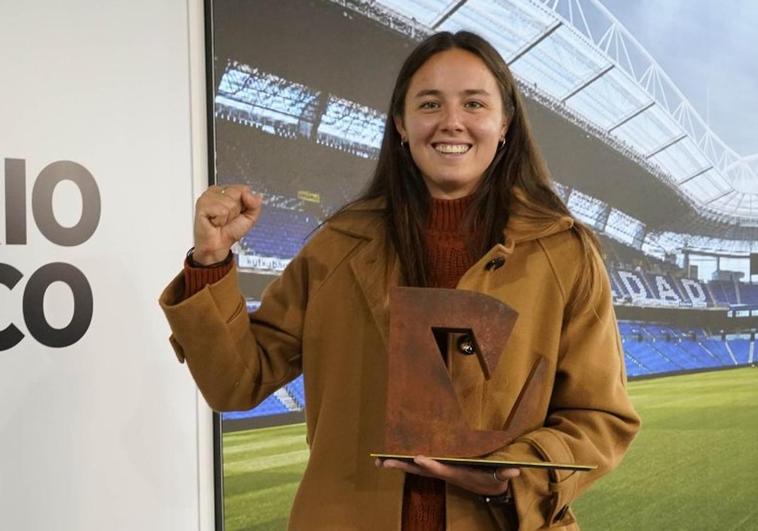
(222, 216)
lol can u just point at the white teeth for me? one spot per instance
(452, 148)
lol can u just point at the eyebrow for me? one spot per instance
(467, 92)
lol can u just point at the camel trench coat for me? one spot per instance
(326, 316)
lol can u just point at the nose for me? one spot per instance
(452, 119)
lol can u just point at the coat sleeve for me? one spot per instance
(590, 418)
(238, 359)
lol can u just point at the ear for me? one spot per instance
(504, 128)
(400, 127)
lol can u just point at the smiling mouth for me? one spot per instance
(451, 149)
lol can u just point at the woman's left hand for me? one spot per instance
(477, 480)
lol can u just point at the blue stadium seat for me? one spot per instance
(740, 348)
(749, 293)
(654, 348)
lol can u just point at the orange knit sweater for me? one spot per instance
(447, 258)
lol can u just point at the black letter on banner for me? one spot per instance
(34, 298)
(42, 203)
(15, 201)
(10, 335)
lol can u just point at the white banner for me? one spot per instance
(98, 422)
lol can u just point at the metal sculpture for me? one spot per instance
(424, 415)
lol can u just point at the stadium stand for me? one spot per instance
(288, 399)
(656, 348)
(748, 294)
(284, 108)
(740, 346)
(279, 233)
(270, 406)
(275, 105)
(650, 349)
(636, 279)
(642, 288)
(277, 237)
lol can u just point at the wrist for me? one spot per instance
(207, 258)
(503, 498)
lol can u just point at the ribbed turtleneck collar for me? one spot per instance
(446, 215)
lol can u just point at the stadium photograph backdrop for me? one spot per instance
(299, 95)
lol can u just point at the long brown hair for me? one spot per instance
(519, 164)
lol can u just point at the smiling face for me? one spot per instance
(452, 120)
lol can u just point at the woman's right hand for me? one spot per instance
(223, 215)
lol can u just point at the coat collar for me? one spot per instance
(376, 276)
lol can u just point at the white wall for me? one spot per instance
(107, 433)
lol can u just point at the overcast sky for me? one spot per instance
(708, 48)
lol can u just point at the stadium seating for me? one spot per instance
(273, 405)
(649, 349)
(741, 349)
(659, 289)
(646, 288)
(748, 294)
(297, 391)
(653, 348)
(270, 406)
(718, 349)
(724, 292)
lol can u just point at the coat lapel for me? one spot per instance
(376, 274)
(375, 270)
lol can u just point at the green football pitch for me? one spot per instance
(693, 465)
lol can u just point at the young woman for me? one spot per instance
(460, 198)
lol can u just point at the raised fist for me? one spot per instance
(223, 215)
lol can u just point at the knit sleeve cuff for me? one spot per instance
(196, 278)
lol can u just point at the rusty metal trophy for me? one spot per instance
(423, 414)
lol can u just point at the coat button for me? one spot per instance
(466, 345)
(495, 263)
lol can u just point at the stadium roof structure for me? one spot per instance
(590, 68)
(280, 106)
